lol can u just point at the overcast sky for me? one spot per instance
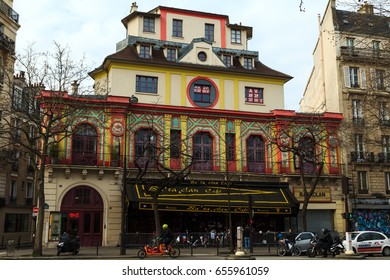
(283, 35)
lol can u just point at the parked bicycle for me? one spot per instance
(284, 248)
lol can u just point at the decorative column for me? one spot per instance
(167, 138)
(183, 121)
(238, 145)
(222, 142)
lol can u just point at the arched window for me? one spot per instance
(307, 154)
(84, 145)
(202, 151)
(255, 154)
(145, 148)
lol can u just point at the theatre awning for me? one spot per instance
(215, 196)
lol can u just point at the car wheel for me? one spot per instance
(386, 251)
(141, 254)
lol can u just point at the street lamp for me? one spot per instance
(132, 101)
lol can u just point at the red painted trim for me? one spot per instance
(163, 25)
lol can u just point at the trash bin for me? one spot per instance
(11, 248)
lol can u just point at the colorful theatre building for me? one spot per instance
(185, 80)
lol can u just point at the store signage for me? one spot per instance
(74, 215)
(319, 195)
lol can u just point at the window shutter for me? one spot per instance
(373, 79)
(347, 80)
(363, 81)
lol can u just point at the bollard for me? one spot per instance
(239, 251)
(348, 241)
(10, 248)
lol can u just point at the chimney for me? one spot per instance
(134, 7)
(75, 87)
(366, 8)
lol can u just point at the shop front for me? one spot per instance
(199, 205)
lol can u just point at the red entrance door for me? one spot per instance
(84, 215)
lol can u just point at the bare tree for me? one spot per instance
(308, 141)
(40, 115)
(153, 157)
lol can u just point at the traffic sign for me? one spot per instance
(35, 210)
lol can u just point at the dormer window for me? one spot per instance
(144, 51)
(248, 62)
(171, 54)
(148, 24)
(236, 36)
(227, 60)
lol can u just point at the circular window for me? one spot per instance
(202, 92)
(202, 56)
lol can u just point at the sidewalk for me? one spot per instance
(90, 253)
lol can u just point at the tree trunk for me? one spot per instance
(37, 251)
(156, 214)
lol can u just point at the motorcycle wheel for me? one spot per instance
(281, 251)
(298, 251)
(58, 251)
(174, 252)
(310, 252)
(76, 251)
(141, 254)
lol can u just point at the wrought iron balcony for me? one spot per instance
(364, 54)
(8, 11)
(362, 157)
(358, 121)
(383, 158)
(6, 42)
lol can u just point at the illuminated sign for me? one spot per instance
(74, 215)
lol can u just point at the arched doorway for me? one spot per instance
(82, 215)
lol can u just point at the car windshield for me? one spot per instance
(353, 235)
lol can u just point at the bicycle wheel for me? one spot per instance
(141, 254)
(311, 253)
(298, 251)
(174, 251)
(281, 250)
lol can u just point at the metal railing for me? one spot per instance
(8, 11)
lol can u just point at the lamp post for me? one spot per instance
(132, 100)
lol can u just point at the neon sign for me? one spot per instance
(74, 215)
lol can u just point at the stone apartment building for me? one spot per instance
(351, 76)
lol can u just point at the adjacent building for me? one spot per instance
(351, 76)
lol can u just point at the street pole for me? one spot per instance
(123, 197)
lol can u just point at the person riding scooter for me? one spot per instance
(166, 236)
(325, 241)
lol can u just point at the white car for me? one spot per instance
(303, 240)
(369, 242)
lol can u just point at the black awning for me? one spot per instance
(214, 196)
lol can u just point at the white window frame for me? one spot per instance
(350, 76)
(387, 182)
(362, 182)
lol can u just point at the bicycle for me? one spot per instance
(283, 249)
(153, 249)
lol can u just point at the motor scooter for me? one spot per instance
(68, 244)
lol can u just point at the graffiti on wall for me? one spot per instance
(377, 220)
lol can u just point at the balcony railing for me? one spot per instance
(358, 121)
(8, 11)
(364, 54)
(362, 157)
(7, 43)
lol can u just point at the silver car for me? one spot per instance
(303, 240)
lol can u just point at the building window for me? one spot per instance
(387, 183)
(375, 48)
(380, 79)
(144, 51)
(17, 98)
(227, 60)
(29, 190)
(236, 36)
(254, 95)
(248, 63)
(84, 145)
(177, 28)
(359, 147)
(202, 56)
(202, 93)
(202, 151)
(230, 147)
(209, 32)
(255, 154)
(386, 147)
(307, 153)
(353, 76)
(13, 192)
(384, 114)
(82, 196)
(362, 182)
(16, 222)
(351, 45)
(175, 144)
(148, 24)
(146, 84)
(357, 112)
(145, 148)
(171, 54)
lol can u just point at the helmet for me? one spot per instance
(165, 226)
(325, 230)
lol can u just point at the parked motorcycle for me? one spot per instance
(68, 244)
(315, 249)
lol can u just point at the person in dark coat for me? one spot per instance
(166, 236)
